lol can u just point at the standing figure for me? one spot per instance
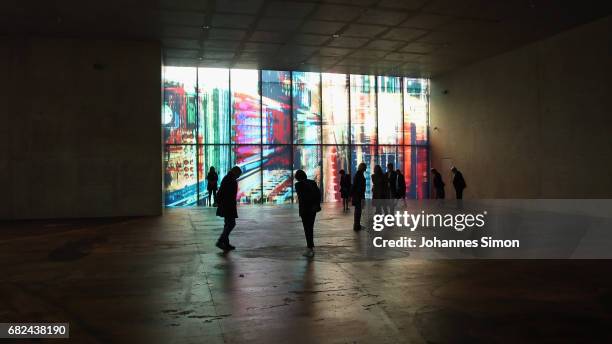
(358, 195)
(309, 198)
(211, 186)
(345, 189)
(226, 206)
(401, 186)
(458, 182)
(392, 178)
(380, 189)
(438, 184)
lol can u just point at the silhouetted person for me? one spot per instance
(226, 206)
(380, 188)
(401, 185)
(438, 184)
(345, 189)
(309, 198)
(211, 185)
(392, 180)
(458, 182)
(358, 195)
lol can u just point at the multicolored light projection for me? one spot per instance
(271, 123)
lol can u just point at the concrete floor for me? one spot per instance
(161, 280)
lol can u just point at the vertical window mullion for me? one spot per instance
(230, 110)
(291, 123)
(321, 158)
(261, 161)
(197, 148)
(376, 143)
(350, 130)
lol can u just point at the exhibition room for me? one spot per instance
(307, 171)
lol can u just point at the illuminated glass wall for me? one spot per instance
(271, 123)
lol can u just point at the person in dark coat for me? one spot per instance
(438, 184)
(392, 180)
(309, 198)
(401, 185)
(380, 189)
(226, 206)
(358, 195)
(211, 186)
(345, 189)
(458, 182)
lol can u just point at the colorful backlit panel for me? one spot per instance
(335, 105)
(416, 110)
(389, 110)
(363, 109)
(308, 159)
(248, 158)
(180, 175)
(335, 158)
(246, 106)
(306, 108)
(214, 112)
(389, 154)
(416, 172)
(276, 106)
(277, 181)
(179, 108)
(320, 123)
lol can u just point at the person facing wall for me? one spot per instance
(401, 185)
(458, 182)
(345, 189)
(380, 189)
(391, 176)
(358, 195)
(438, 184)
(211, 186)
(309, 198)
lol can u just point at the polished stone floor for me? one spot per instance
(161, 280)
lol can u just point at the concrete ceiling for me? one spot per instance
(399, 37)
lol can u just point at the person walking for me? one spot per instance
(309, 198)
(211, 186)
(438, 184)
(458, 182)
(358, 195)
(345, 189)
(226, 206)
(380, 189)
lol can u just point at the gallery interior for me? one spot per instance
(115, 111)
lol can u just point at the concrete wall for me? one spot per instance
(80, 133)
(532, 123)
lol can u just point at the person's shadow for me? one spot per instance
(304, 311)
(308, 287)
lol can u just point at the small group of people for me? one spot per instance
(385, 186)
(390, 185)
(438, 184)
(309, 198)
